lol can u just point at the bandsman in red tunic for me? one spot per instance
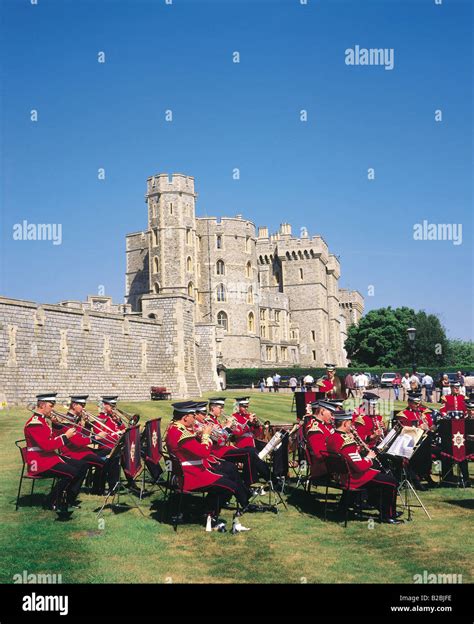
(318, 428)
(193, 455)
(454, 402)
(42, 457)
(244, 425)
(369, 425)
(362, 472)
(107, 423)
(331, 384)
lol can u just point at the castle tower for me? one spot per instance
(228, 286)
(305, 281)
(172, 229)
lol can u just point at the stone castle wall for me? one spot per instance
(52, 347)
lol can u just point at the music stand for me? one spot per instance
(123, 447)
(152, 453)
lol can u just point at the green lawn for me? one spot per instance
(295, 546)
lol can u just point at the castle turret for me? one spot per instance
(172, 226)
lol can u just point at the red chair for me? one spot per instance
(21, 445)
(339, 472)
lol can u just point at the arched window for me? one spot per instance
(220, 267)
(248, 269)
(189, 264)
(251, 322)
(155, 264)
(222, 320)
(221, 292)
(190, 289)
(188, 236)
(156, 288)
(250, 295)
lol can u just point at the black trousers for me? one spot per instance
(221, 491)
(110, 471)
(384, 486)
(259, 467)
(69, 476)
(246, 457)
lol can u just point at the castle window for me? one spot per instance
(221, 292)
(155, 264)
(156, 288)
(284, 353)
(262, 314)
(314, 355)
(222, 320)
(155, 238)
(277, 316)
(189, 264)
(269, 354)
(190, 289)
(199, 243)
(250, 295)
(220, 267)
(248, 270)
(301, 274)
(313, 335)
(200, 298)
(251, 322)
(171, 209)
(188, 236)
(219, 241)
(247, 244)
(277, 278)
(263, 331)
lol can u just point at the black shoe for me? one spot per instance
(398, 514)
(392, 521)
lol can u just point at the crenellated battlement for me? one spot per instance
(174, 183)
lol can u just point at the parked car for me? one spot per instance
(387, 379)
(373, 380)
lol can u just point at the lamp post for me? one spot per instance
(411, 331)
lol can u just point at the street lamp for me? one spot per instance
(411, 331)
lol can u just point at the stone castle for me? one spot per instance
(275, 299)
(202, 295)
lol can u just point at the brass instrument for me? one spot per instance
(131, 419)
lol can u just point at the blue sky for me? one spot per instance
(244, 115)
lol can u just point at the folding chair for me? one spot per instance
(21, 445)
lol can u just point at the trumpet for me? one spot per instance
(130, 419)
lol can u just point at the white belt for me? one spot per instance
(247, 435)
(195, 462)
(33, 448)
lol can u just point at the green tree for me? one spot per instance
(461, 354)
(381, 339)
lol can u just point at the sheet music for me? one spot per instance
(388, 438)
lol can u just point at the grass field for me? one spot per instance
(294, 546)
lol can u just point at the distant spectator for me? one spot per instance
(414, 382)
(293, 383)
(406, 385)
(308, 381)
(445, 385)
(262, 384)
(460, 378)
(396, 383)
(361, 383)
(350, 385)
(269, 383)
(276, 382)
(427, 384)
(303, 387)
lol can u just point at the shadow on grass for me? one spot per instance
(192, 510)
(28, 500)
(464, 503)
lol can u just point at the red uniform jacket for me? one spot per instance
(192, 455)
(106, 423)
(326, 385)
(77, 446)
(41, 445)
(453, 403)
(242, 432)
(409, 417)
(367, 425)
(360, 468)
(316, 437)
(221, 446)
(425, 417)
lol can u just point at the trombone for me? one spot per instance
(130, 419)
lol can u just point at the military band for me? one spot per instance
(218, 454)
